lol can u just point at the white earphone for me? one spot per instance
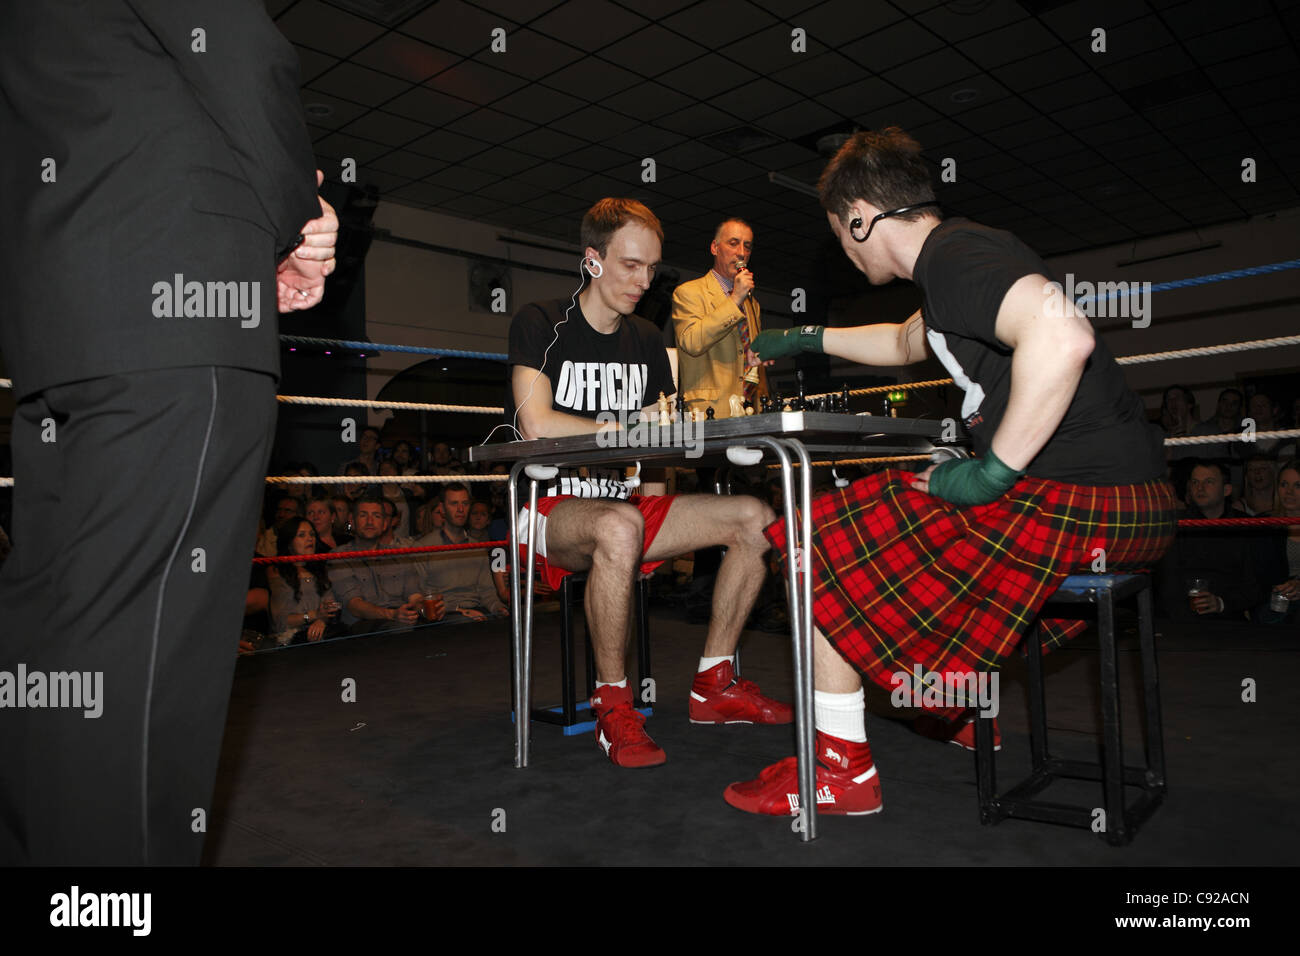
(635, 480)
(594, 268)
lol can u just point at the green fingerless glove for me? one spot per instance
(973, 481)
(774, 344)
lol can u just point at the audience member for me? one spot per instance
(1227, 418)
(480, 516)
(1178, 415)
(1283, 605)
(397, 498)
(367, 452)
(354, 490)
(1259, 486)
(1231, 563)
(321, 515)
(341, 505)
(302, 605)
(383, 593)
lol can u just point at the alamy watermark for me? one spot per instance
(625, 429)
(208, 300)
(977, 689)
(1107, 300)
(83, 690)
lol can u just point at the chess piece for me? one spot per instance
(844, 399)
(749, 408)
(765, 404)
(708, 413)
(665, 415)
(737, 409)
(680, 415)
(800, 403)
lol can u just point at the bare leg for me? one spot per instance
(831, 672)
(700, 521)
(603, 538)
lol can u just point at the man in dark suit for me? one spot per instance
(158, 210)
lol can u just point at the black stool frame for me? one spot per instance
(1122, 821)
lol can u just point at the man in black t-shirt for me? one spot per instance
(927, 582)
(571, 363)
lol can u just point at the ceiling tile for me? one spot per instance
(529, 54)
(359, 84)
(325, 28)
(490, 125)
(593, 122)
(648, 101)
(428, 106)
(653, 50)
(706, 78)
(448, 146)
(1010, 43)
(592, 79)
(897, 44)
(538, 104)
(957, 22)
(475, 82)
(812, 75)
(457, 26)
(588, 24)
(723, 21)
(386, 128)
(406, 57)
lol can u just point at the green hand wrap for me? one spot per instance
(774, 344)
(973, 481)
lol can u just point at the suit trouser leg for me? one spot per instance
(133, 532)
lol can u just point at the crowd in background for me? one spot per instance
(1232, 573)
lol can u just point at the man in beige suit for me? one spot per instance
(714, 318)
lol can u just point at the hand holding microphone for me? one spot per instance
(743, 284)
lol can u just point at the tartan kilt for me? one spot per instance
(902, 578)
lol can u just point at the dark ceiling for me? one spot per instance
(1067, 147)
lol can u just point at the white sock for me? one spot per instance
(613, 683)
(841, 715)
(708, 663)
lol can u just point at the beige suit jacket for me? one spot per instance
(710, 359)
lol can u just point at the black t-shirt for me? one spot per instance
(964, 272)
(590, 373)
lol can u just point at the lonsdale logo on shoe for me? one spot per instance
(832, 755)
(824, 795)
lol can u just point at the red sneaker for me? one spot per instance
(718, 696)
(847, 783)
(965, 735)
(620, 729)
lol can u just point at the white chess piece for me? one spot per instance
(665, 412)
(737, 406)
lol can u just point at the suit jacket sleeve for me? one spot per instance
(700, 322)
(246, 79)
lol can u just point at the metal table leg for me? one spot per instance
(802, 637)
(516, 622)
(805, 728)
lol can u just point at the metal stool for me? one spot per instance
(1077, 597)
(571, 715)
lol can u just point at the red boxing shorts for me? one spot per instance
(653, 508)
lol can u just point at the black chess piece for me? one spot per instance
(800, 403)
(681, 408)
(844, 398)
(749, 406)
(708, 413)
(765, 404)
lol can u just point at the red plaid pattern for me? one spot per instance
(902, 578)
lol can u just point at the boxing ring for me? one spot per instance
(781, 440)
